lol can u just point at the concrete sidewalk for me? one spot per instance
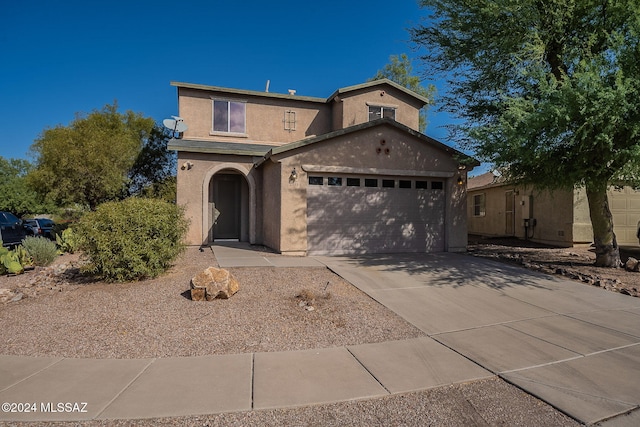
(59, 389)
(574, 346)
(242, 254)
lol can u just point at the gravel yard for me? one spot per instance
(156, 318)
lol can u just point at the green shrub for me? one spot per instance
(9, 261)
(133, 239)
(67, 241)
(42, 251)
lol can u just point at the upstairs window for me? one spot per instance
(229, 116)
(377, 112)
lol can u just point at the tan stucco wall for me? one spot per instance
(553, 213)
(355, 108)
(271, 215)
(582, 230)
(456, 215)
(264, 118)
(359, 150)
(563, 216)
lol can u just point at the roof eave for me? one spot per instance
(372, 83)
(384, 121)
(244, 92)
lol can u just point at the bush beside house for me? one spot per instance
(132, 239)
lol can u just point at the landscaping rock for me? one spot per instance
(213, 283)
(632, 264)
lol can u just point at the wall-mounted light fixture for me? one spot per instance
(187, 165)
(294, 175)
(460, 169)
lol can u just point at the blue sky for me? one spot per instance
(64, 57)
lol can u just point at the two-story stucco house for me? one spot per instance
(303, 175)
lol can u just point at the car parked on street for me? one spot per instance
(39, 227)
(11, 230)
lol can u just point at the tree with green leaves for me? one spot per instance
(88, 162)
(549, 92)
(153, 172)
(15, 195)
(400, 70)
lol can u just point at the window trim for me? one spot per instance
(334, 181)
(382, 107)
(369, 181)
(289, 120)
(313, 180)
(479, 205)
(437, 185)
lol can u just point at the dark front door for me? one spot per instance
(226, 201)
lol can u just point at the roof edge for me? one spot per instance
(246, 92)
(257, 93)
(383, 121)
(386, 81)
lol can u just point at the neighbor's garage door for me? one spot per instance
(351, 215)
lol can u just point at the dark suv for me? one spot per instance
(39, 227)
(11, 230)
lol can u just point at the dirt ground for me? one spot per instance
(574, 263)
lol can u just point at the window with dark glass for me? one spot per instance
(403, 183)
(353, 182)
(479, 205)
(388, 183)
(228, 116)
(437, 185)
(334, 181)
(370, 182)
(422, 184)
(377, 112)
(315, 180)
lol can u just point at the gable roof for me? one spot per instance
(487, 179)
(379, 82)
(257, 93)
(379, 122)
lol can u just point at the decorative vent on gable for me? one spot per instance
(289, 120)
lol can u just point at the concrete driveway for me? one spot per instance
(574, 346)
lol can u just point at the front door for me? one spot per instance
(509, 213)
(226, 206)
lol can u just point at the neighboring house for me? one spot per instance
(344, 174)
(558, 218)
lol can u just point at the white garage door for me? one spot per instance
(625, 207)
(351, 215)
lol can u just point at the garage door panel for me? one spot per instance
(374, 220)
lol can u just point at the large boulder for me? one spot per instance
(213, 283)
(632, 264)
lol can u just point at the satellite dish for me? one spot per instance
(176, 124)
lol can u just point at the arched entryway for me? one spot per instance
(228, 215)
